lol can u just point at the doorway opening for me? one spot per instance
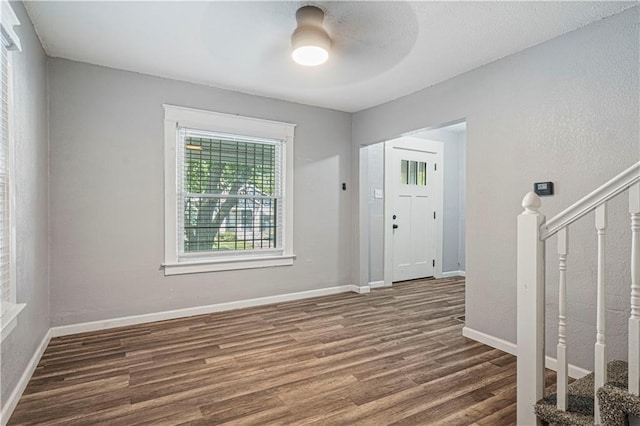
(416, 205)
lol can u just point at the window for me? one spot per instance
(228, 192)
(413, 172)
(227, 182)
(9, 42)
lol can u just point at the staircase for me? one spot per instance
(615, 384)
(580, 401)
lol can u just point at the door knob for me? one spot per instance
(395, 226)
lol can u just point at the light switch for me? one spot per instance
(377, 193)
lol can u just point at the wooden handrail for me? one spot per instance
(591, 201)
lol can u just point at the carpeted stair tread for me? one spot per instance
(616, 403)
(580, 398)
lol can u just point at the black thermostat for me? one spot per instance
(543, 188)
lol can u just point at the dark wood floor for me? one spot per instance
(394, 356)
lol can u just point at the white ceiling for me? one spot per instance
(381, 50)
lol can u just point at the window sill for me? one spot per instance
(213, 265)
(9, 318)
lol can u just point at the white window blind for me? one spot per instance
(230, 194)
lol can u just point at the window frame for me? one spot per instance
(178, 116)
(10, 309)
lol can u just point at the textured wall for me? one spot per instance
(453, 220)
(451, 204)
(565, 111)
(462, 199)
(31, 174)
(375, 175)
(107, 196)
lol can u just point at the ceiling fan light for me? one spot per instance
(310, 56)
(310, 43)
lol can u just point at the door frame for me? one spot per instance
(409, 142)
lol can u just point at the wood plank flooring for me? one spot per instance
(394, 356)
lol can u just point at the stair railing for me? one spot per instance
(533, 231)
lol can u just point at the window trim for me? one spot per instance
(9, 319)
(9, 310)
(177, 116)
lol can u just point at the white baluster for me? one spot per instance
(600, 347)
(634, 319)
(531, 304)
(562, 374)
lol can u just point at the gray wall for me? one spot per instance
(32, 259)
(565, 111)
(107, 194)
(375, 180)
(462, 194)
(451, 206)
(453, 196)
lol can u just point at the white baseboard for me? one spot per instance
(453, 274)
(361, 289)
(15, 396)
(376, 284)
(511, 348)
(200, 310)
(574, 371)
(494, 342)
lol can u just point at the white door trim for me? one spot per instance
(429, 147)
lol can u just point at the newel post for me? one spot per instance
(531, 321)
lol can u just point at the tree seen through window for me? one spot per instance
(230, 194)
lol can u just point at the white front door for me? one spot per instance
(416, 186)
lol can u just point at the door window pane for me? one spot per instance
(413, 172)
(413, 165)
(404, 172)
(422, 173)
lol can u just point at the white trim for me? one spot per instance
(377, 284)
(8, 20)
(226, 264)
(200, 310)
(363, 289)
(175, 116)
(453, 274)
(12, 401)
(589, 202)
(9, 309)
(494, 342)
(574, 371)
(9, 317)
(511, 348)
(228, 123)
